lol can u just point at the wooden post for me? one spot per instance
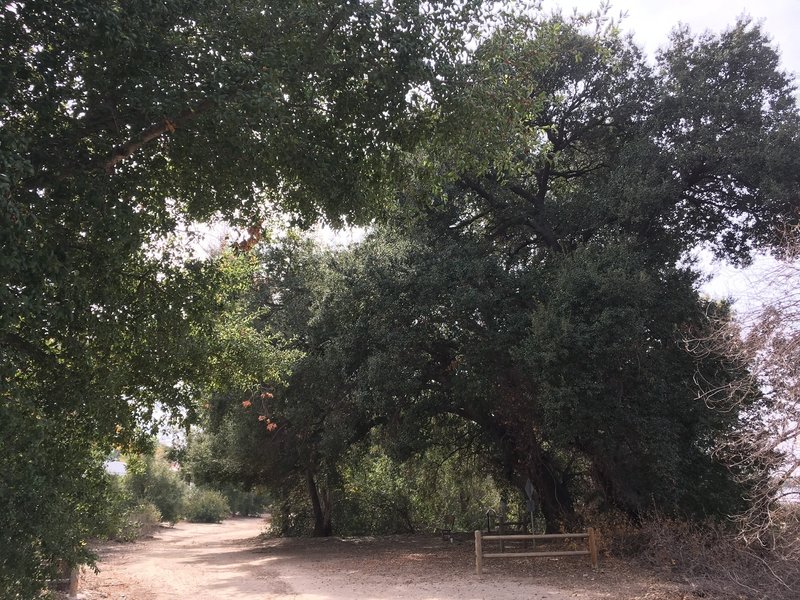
(593, 547)
(74, 578)
(533, 542)
(478, 554)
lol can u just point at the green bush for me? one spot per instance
(140, 520)
(291, 512)
(206, 506)
(150, 479)
(245, 503)
(380, 495)
(372, 494)
(376, 497)
(123, 517)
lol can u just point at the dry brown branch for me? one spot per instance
(153, 132)
(765, 450)
(709, 558)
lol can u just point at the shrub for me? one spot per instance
(123, 517)
(245, 503)
(140, 520)
(206, 506)
(150, 479)
(381, 495)
(291, 513)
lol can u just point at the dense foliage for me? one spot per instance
(121, 121)
(154, 490)
(206, 506)
(149, 479)
(420, 335)
(523, 302)
(543, 296)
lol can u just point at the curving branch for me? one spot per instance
(153, 132)
(542, 230)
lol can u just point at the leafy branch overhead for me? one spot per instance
(119, 123)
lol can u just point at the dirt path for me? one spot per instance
(228, 561)
(189, 561)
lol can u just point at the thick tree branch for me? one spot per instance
(537, 201)
(153, 132)
(470, 220)
(525, 194)
(472, 184)
(541, 230)
(325, 34)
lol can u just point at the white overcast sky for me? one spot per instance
(651, 20)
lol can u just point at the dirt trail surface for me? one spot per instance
(230, 561)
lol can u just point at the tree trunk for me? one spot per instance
(618, 491)
(522, 457)
(555, 500)
(322, 514)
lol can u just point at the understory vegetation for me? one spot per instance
(379, 495)
(153, 491)
(707, 559)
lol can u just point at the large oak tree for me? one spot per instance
(544, 289)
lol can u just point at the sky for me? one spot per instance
(651, 22)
